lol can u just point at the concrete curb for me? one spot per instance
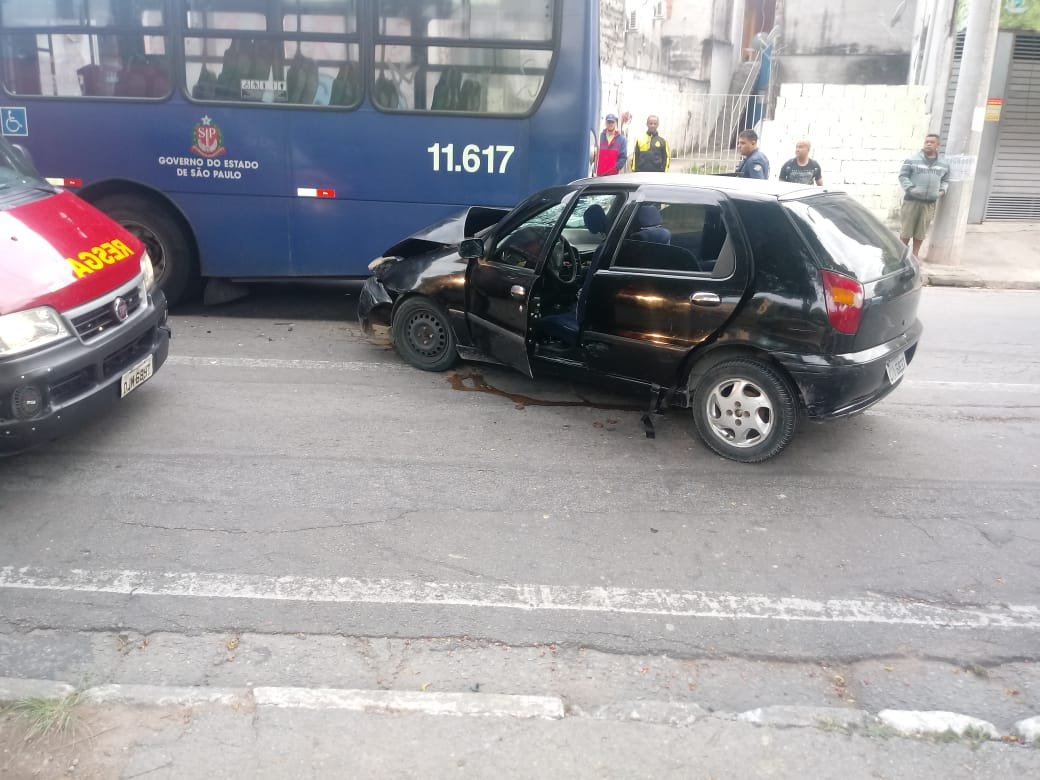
(166, 695)
(906, 723)
(917, 723)
(1028, 730)
(955, 276)
(493, 704)
(13, 689)
(792, 716)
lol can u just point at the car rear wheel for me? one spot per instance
(744, 410)
(423, 335)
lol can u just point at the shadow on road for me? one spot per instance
(334, 301)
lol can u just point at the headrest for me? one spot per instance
(595, 219)
(649, 216)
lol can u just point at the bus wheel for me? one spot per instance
(154, 226)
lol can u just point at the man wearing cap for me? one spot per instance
(613, 149)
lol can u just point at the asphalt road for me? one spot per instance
(282, 475)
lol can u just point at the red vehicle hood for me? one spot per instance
(48, 250)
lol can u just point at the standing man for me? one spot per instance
(651, 152)
(924, 179)
(754, 165)
(802, 169)
(613, 149)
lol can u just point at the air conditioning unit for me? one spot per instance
(631, 22)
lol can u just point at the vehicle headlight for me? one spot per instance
(380, 265)
(29, 329)
(147, 270)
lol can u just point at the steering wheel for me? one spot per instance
(564, 262)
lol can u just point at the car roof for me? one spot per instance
(733, 185)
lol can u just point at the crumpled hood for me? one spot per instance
(448, 232)
(48, 248)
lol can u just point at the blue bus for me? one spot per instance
(266, 139)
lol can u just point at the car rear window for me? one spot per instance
(847, 237)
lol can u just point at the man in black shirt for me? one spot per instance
(802, 169)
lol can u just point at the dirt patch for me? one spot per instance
(95, 746)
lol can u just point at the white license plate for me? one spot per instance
(896, 367)
(136, 376)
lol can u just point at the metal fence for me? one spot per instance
(708, 143)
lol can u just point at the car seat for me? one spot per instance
(564, 326)
(648, 217)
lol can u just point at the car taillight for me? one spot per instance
(844, 301)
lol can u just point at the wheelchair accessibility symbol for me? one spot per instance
(13, 121)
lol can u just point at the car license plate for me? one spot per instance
(896, 367)
(136, 377)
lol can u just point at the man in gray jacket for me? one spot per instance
(924, 179)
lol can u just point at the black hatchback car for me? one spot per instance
(752, 303)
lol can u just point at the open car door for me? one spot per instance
(499, 284)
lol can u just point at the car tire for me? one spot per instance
(154, 226)
(744, 410)
(423, 335)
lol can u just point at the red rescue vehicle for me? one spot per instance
(80, 326)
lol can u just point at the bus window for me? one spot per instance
(119, 49)
(490, 57)
(243, 51)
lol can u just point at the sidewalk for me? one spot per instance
(133, 731)
(997, 255)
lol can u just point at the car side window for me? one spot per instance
(677, 237)
(523, 245)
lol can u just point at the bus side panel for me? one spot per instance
(340, 237)
(240, 237)
(388, 183)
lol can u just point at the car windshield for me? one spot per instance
(13, 169)
(848, 237)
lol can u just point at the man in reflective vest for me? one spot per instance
(613, 149)
(651, 152)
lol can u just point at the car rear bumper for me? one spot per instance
(78, 380)
(374, 305)
(841, 385)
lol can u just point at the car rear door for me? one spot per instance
(499, 284)
(653, 302)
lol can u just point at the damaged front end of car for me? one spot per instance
(427, 262)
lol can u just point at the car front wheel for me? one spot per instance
(744, 410)
(423, 335)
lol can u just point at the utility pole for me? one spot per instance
(966, 125)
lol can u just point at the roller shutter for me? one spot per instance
(1015, 190)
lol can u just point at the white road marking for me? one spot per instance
(199, 361)
(298, 365)
(635, 601)
(978, 387)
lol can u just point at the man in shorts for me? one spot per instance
(924, 178)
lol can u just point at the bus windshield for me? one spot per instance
(256, 139)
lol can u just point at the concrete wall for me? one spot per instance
(860, 136)
(676, 101)
(847, 41)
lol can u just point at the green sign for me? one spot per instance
(1014, 14)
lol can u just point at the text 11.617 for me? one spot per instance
(473, 159)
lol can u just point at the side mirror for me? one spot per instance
(471, 248)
